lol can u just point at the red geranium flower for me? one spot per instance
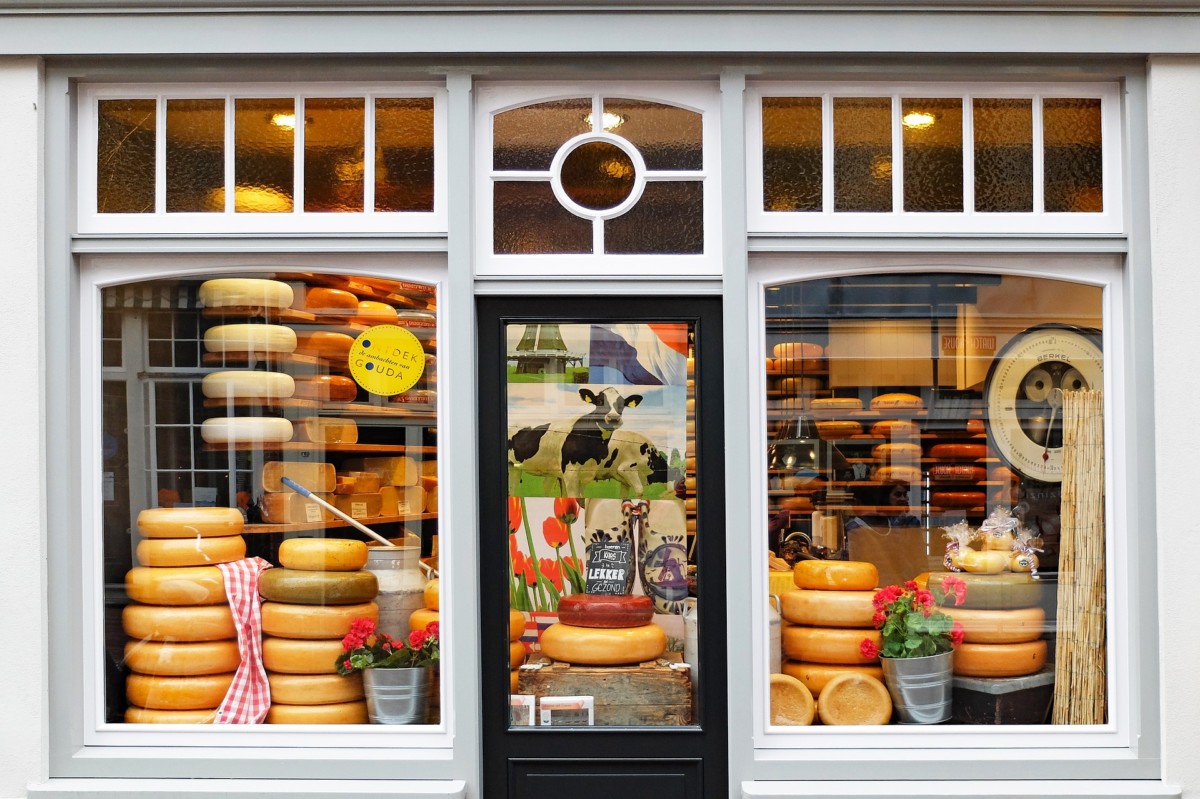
(416, 638)
(878, 619)
(868, 649)
(957, 633)
(955, 585)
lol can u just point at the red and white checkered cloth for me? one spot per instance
(249, 696)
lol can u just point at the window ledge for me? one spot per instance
(233, 789)
(983, 789)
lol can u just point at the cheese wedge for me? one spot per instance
(359, 506)
(291, 508)
(325, 430)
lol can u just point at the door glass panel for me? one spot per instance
(601, 524)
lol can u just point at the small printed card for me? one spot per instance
(521, 706)
(568, 711)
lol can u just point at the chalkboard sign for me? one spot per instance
(608, 568)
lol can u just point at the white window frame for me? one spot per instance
(298, 221)
(494, 98)
(999, 750)
(1111, 220)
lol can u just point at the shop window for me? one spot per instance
(191, 159)
(258, 422)
(931, 159)
(940, 431)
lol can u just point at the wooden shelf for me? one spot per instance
(361, 409)
(343, 449)
(274, 315)
(300, 527)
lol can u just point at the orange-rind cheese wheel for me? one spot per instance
(516, 655)
(145, 715)
(326, 388)
(193, 692)
(797, 349)
(373, 312)
(999, 626)
(958, 452)
(597, 646)
(301, 656)
(896, 451)
(323, 554)
(314, 689)
(791, 702)
(269, 339)
(514, 681)
(246, 430)
(190, 522)
(420, 618)
(245, 292)
(958, 499)
(330, 302)
(816, 676)
(895, 428)
(324, 344)
(432, 594)
(179, 659)
(248, 384)
(838, 428)
(828, 608)
(190, 551)
(297, 587)
(828, 644)
(836, 575)
(332, 713)
(836, 404)
(999, 660)
(605, 610)
(178, 623)
(851, 698)
(182, 585)
(313, 622)
(516, 624)
(897, 401)
(894, 473)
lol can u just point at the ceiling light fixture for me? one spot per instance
(611, 121)
(918, 119)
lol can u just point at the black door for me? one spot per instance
(602, 539)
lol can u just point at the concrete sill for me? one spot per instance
(247, 789)
(979, 789)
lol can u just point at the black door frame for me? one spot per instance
(603, 751)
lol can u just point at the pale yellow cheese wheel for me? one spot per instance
(145, 715)
(896, 400)
(828, 608)
(421, 617)
(301, 656)
(896, 451)
(836, 575)
(273, 339)
(333, 713)
(791, 702)
(183, 585)
(312, 622)
(853, 698)
(177, 659)
(323, 554)
(516, 654)
(178, 623)
(190, 551)
(836, 403)
(516, 624)
(605, 646)
(314, 689)
(797, 349)
(432, 594)
(999, 660)
(245, 292)
(190, 522)
(245, 430)
(816, 675)
(838, 428)
(828, 644)
(247, 384)
(999, 626)
(193, 692)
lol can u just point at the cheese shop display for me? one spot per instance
(258, 450)
(917, 427)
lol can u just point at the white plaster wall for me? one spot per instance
(22, 571)
(1175, 205)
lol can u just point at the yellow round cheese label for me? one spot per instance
(387, 360)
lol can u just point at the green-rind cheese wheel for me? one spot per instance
(312, 622)
(190, 551)
(828, 644)
(301, 656)
(323, 554)
(999, 660)
(193, 692)
(828, 608)
(1002, 591)
(1000, 626)
(145, 715)
(314, 689)
(183, 585)
(317, 588)
(332, 713)
(180, 659)
(190, 522)
(178, 623)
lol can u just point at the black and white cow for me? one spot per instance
(572, 450)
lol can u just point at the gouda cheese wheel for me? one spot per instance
(201, 657)
(326, 388)
(896, 451)
(516, 655)
(797, 349)
(853, 698)
(245, 292)
(999, 626)
(332, 713)
(371, 312)
(516, 624)
(896, 401)
(269, 339)
(999, 660)
(896, 474)
(314, 689)
(190, 551)
(432, 594)
(330, 302)
(317, 588)
(960, 452)
(791, 702)
(603, 647)
(393, 471)
(193, 692)
(184, 585)
(828, 644)
(313, 622)
(190, 522)
(247, 384)
(838, 428)
(895, 428)
(246, 430)
(323, 554)
(958, 499)
(145, 715)
(178, 623)
(995, 591)
(603, 610)
(816, 675)
(836, 403)
(828, 608)
(301, 656)
(420, 618)
(836, 575)
(324, 344)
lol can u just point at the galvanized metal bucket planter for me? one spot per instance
(921, 688)
(398, 696)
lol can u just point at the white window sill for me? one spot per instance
(983, 789)
(233, 789)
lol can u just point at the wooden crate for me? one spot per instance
(656, 693)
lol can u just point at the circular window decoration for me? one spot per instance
(598, 175)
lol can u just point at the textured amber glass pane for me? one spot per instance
(195, 155)
(1003, 155)
(791, 142)
(263, 157)
(529, 219)
(862, 154)
(933, 174)
(668, 137)
(333, 153)
(1074, 172)
(125, 157)
(404, 154)
(597, 175)
(667, 219)
(527, 138)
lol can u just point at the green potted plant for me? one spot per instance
(397, 675)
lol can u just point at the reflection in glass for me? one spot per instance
(668, 137)
(597, 175)
(933, 157)
(1003, 155)
(1073, 161)
(333, 154)
(264, 157)
(792, 146)
(125, 158)
(527, 138)
(195, 154)
(667, 219)
(529, 219)
(862, 154)
(404, 154)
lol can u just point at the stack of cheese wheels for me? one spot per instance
(826, 617)
(604, 630)
(1003, 624)
(242, 340)
(182, 650)
(310, 604)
